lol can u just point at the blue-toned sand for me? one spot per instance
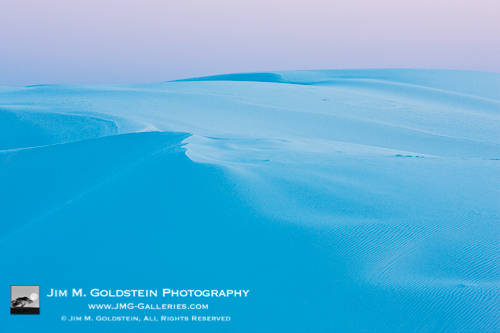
(345, 200)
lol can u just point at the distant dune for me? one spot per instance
(345, 200)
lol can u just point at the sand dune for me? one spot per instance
(347, 201)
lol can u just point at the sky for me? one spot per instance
(135, 41)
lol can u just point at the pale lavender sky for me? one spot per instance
(132, 41)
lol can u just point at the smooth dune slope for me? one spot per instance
(347, 201)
